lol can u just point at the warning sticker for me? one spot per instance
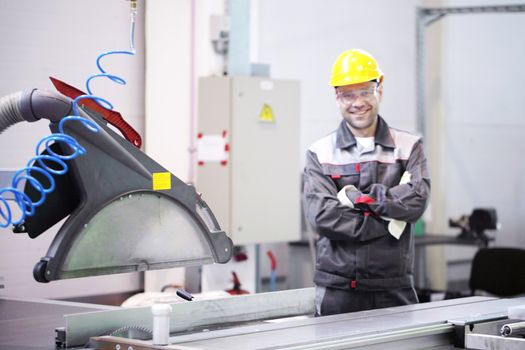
(161, 181)
(266, 114)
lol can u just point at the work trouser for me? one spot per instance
(330, 301)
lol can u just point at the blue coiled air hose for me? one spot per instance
(26, 205)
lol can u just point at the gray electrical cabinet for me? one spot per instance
(248, 154)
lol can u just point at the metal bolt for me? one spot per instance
(117, 347)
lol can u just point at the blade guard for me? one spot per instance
(120, 222)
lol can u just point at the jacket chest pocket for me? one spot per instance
(343, 175)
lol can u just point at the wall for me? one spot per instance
(62, 38)
(301, 39)
(483, 108)
(483, 128)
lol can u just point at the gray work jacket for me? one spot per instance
(356, 250)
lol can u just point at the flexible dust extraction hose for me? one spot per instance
(31, 106)
(10, 110)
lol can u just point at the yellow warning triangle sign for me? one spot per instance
(266, 114)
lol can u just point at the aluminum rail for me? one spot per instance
(417, 326)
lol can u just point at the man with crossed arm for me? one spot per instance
(365, 185)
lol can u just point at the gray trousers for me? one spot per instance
(330, 301)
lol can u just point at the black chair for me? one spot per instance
(498, 271)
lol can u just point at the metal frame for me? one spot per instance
(428, 325)
(425, 16)
(195, 315)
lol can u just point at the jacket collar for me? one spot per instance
(345, 138)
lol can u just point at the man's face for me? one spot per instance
(359, 105)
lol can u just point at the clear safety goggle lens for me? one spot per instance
(348, 97)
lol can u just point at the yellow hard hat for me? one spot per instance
(353, 67)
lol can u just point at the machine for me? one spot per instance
(277, 320)
(124, 211)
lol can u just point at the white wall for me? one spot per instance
(482, 107)
(301, 39)
(62, 38)
(483, 72)
(178, 52)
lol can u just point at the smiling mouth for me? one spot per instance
(360, 113)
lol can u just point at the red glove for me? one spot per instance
(363, 202)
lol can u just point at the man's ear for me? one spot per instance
(380, 92)
(335, 95)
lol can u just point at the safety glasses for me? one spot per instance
(348, 97)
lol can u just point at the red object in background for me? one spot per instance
(273, 276)
(112, 117)
(236, 290)
(273, 261)
(239, 254)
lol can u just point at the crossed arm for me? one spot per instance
(337, 221)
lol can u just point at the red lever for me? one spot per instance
(273, 261)
(112, 117)
(236, 290)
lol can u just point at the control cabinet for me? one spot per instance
(248, 156)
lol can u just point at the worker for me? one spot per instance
(365, 185)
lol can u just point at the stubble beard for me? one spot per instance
(360, 124)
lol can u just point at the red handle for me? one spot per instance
(273, 261)
(112, 117)
(130, 134)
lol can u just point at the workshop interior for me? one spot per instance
(151, 171)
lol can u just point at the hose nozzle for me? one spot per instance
(133, 12)
(133, 7)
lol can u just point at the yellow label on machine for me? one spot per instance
(266, 114)
(161, 181)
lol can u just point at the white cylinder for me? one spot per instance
(161, 323)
